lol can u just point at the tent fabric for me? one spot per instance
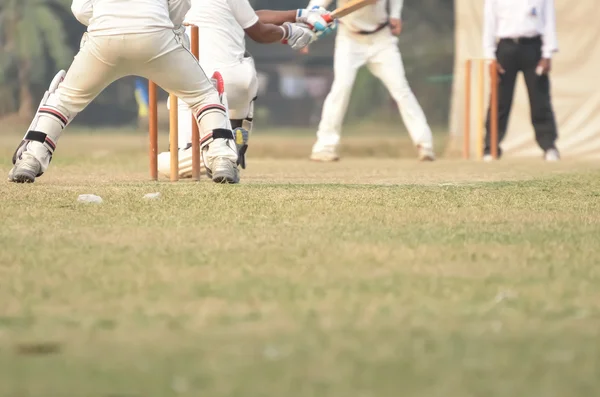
(575, 82)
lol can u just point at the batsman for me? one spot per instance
(222, 27)
(368, 37)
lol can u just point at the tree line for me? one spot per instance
(39, 37)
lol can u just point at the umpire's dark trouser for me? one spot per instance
(523, 56)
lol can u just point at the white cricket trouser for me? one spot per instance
(241, 87)
(157, 56)
(379, 51)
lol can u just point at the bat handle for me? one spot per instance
(328, 18)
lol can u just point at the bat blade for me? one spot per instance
(350, 7)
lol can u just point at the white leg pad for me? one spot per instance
(45, 129)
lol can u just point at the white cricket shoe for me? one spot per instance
(25, 170)
(225, 171)
(426, 153)
(552, 155)
(488, 158)
(325, 155)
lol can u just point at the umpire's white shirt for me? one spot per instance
(114, 17)
(368, 18)
(221, 24)
(519, 18)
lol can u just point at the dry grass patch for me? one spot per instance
(371, 277)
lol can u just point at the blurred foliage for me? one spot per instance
(32, 40)
(38, 37)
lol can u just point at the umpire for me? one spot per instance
(521, 36)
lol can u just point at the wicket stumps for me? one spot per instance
(173, 128)
(493, 73)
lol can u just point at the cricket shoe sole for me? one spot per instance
(225, 171)
(25, 170)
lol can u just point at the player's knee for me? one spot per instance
(70, 103)
(401, 92)
(198, 98)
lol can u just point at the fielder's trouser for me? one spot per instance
(158, 56)
(524, 55)
(241, 87)
(379, 51)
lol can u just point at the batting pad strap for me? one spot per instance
(41, 137)
(222, 133)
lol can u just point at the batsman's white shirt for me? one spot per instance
(221, 24)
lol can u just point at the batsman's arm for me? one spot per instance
(258, 31)
(266, 33)
(314, 18)
(82, 10)
(276, 17)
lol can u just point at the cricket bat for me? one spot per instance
(346, 9)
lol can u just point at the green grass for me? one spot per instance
(369, 277)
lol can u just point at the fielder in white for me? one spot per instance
(144, 38)
(222, 26)
(368, 37)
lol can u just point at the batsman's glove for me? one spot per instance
(318, 18)
(297, 36)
